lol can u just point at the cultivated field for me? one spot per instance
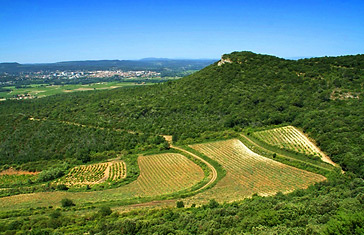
(167, 173)
(43, 90)
(94, 174)
(290, 138)
(13, 178)
(159, 174)
(117, 171)
(249, 173)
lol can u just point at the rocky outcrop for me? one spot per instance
(223, 61)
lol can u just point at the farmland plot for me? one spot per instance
(166, 173)
(11, 177)
(290, 138)
(117, 171)
(159, 174)
(249, 173)
(94, 174)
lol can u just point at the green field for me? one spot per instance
(43, 90)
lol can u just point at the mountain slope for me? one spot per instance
(242, 90)
(323, 96)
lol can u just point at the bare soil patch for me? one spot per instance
(12, 171)
(84, 89)
(107, 88)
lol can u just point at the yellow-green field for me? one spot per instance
(159, 174)
(94, 174)
(43, 90)
(291, 138)
(248, 173)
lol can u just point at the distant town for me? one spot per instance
(29, 81)
(30, 85)
(92, 74)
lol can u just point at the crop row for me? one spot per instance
(167, 173)
(117, 171)
(89, 174)
(288, 138)
(95, 173)
(249, 173)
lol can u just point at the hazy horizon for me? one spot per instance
(162, 58)
(154, 58)
(53, 31)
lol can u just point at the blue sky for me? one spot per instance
(34, 31)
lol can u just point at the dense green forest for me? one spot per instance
(23, 140)
(323, 96)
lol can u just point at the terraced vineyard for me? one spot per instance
(167, 173)
(94, 174)
(290, 138)
(117, 171)
(159, 174)
(249, 173)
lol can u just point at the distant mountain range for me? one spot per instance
(153, 64)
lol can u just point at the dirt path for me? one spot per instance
(86, 126)
(106, 173)
(212, 168)
(12, 171)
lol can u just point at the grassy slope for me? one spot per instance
(44, 90)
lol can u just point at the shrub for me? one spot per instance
(51, 174)
(62, 187)
(213, 204)
(15, 225)
(67, 202)
(180, 204)
(105, 211)
(55, 214)
(5, 167)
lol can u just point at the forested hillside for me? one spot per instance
(321, 95)
(243, 92)
(25, 140)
